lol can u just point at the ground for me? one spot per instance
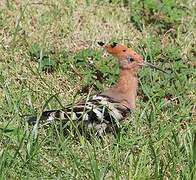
(49, 57)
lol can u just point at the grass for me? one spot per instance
(49, 57)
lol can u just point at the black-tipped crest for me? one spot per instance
(114, 44)
(100, 43)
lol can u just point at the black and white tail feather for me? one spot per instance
(98, 111)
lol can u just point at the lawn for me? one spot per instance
(49, 57)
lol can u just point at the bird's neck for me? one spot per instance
(125, 89)
(127, 85)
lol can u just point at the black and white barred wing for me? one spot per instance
(95, 110)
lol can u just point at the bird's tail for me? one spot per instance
(47, 117)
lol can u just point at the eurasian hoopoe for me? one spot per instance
(108, 108)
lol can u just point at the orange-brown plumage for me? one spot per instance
(125, 90)
(106, 109)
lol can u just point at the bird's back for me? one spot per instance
(96, 111)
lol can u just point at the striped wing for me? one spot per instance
(96, 110)
(99, 109)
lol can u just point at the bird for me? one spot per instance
(108, 108)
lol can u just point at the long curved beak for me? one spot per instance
(153, 66)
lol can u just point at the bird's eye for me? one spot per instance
(130, 59)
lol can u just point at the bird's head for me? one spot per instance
(127, 58)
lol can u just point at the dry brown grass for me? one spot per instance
(155, 143)
(58, 26)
